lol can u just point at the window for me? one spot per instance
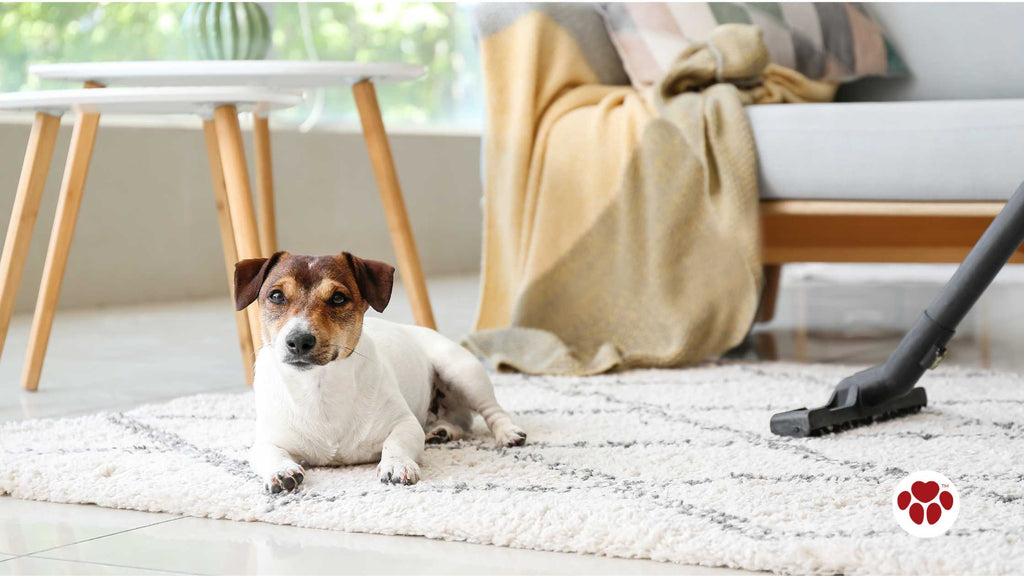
(435, 34)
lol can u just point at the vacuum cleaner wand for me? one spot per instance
(887, 390)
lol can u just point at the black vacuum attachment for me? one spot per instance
(887, 390)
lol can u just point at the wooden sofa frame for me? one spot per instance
(867, 231)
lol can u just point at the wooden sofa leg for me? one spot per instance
(772, 275)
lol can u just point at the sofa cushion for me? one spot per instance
(837, 41)
(937, 150)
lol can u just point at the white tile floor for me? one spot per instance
(104, 359)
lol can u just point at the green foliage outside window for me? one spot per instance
(438, 35)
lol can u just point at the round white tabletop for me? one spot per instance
(200, 100)
(295, 74)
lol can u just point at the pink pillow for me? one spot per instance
(838, 42)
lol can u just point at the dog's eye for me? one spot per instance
(276, 297)
(337, 299)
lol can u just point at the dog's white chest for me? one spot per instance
(341, 413)
(321, 426)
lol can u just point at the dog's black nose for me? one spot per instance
(300, 343)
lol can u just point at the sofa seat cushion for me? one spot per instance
(966, 150)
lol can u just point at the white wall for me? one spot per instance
(954, 51)
(147, 230)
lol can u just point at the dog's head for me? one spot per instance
(312, 307)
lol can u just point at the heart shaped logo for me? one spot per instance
(925, 491)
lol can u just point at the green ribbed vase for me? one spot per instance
(226, 30)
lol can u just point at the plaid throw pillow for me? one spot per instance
(839, 42)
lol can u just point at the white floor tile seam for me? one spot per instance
(87, 563)
(39, 553)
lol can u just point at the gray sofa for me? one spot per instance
(953, 130)
(907, 169)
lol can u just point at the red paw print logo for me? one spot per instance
(925, 504)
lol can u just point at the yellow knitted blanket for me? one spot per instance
(621, 226)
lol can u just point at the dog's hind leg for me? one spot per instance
(466, 382)
(449, 417)
(441, 431)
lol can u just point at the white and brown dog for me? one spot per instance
(335, 388)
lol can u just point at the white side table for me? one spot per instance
(292, 74)
(218, 106)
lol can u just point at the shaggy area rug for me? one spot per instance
(674, 465)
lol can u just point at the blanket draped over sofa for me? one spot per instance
(621, 226)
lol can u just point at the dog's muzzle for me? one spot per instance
(300, 345)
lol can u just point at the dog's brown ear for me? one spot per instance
(375, 280)
(249, 277)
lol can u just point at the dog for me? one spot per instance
(334, 387)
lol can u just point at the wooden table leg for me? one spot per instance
(34, 169)
(264, 185)
(394, 205)
(243, 217)
(227, 240)
(75, 171)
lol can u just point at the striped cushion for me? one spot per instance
(839, 42)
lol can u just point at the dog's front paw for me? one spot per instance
(508, 435)
(400, 470)
(286, 480)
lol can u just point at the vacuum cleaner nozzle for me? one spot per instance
(879, 393)
(846, 409)
(888, 390)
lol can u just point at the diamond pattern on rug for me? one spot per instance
(673, 465)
